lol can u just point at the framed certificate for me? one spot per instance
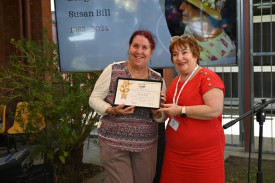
(138, 92)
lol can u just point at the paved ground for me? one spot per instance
(91, 155)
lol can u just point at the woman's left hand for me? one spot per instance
(163, 98)
(156, 113)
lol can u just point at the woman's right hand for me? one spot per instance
(171, 109)
(121, 110)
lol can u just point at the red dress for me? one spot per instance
(195, 152)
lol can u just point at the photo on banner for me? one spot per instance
(212, 23)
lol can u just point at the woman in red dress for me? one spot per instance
(195, 141)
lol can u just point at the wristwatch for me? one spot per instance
(183, 114)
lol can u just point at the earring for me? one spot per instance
(150, 62)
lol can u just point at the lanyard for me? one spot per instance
(176, 101)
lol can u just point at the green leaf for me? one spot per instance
(62, 159)
(74, 135)
(66, 154)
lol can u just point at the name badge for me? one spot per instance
(174, 124)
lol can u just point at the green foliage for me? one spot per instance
(61, 98)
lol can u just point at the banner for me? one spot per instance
(95, 33)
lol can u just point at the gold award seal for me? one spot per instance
(124, 89)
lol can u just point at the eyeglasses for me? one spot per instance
(183, 36)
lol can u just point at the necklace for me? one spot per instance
(138, 75)
(176, 101)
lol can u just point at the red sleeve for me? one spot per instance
(210, 80)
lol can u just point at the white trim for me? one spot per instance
(236, 69)
(264, 19)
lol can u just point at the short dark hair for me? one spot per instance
(147, 34)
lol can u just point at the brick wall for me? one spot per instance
(8, 28)
(40, 19)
